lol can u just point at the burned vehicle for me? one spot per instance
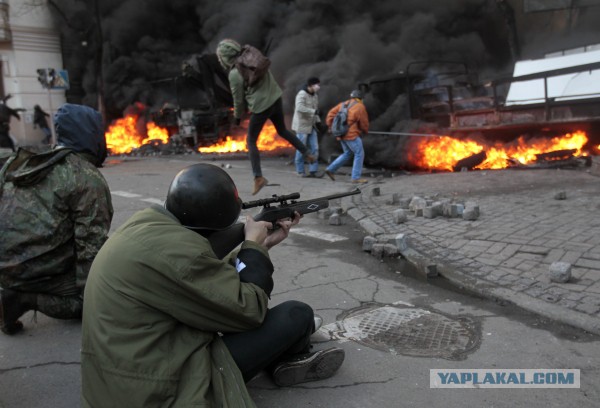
(201, 113)
(543, 98)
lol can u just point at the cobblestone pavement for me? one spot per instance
(506, 253)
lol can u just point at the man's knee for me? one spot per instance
(298, 316)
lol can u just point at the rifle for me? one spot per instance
(226, 240)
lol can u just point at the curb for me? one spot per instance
(533, 305)
(473, 284)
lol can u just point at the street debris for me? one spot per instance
(560, 272)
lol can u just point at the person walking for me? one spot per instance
(263, 100)
(306, 118)
(167, 322)
(352, 146)
(39, 120)
(55, 214)
(6, 112)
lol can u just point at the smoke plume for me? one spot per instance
(131, 47)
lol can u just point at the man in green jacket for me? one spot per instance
(55, 214)
(263, 100)
(167, 323)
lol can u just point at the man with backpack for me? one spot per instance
(253, 86)
(347, 121)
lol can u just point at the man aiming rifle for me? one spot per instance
(168, 322)
(226, 240)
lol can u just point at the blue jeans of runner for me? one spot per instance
(312, 143)
(351, 148)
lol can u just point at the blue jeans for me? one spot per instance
(312, 143)
(351, 148)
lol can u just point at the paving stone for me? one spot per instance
(588, 263)
(588, 308)
(371, 227)
(488, 260)
(535, 292)
(554, 255)
(394, 200)
(574, 296)
(368, 243)
(417, 203)
(571, 257)
(471, 213)
(377, 251)
(335, 219)
(404, 203)
(356, 214)
(595, 288)
(560, 272)
(400, 216)
(567, 303)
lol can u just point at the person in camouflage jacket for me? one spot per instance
(55, 214)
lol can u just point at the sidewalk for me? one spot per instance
(506, 253)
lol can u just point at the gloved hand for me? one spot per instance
(317, 112)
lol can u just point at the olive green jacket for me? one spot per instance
(156, 299)
(258, 98)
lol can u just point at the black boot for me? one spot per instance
(14, 304)
(313, 366)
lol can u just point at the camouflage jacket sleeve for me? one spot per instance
(92, 211)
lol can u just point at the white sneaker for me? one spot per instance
(318, 322)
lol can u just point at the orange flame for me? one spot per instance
(267, 140)
(443, 153)
(123, 136)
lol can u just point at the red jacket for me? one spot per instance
(358, 118)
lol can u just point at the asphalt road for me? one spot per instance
(324, 265)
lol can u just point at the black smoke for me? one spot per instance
(137, 42)
(130, 48)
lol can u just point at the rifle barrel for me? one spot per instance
(340, 195)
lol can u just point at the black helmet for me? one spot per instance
(357, 93)
(203, 196)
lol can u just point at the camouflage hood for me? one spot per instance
(30, 165)
(80, 128)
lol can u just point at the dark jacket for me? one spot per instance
(39, 118)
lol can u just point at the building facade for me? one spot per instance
(28, 41)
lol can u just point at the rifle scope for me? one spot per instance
(267, 201)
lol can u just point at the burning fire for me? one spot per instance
(443, 153)
(267, 140)
(123, 136)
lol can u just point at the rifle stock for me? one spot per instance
(225, 241)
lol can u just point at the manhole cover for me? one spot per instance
(407, 330)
